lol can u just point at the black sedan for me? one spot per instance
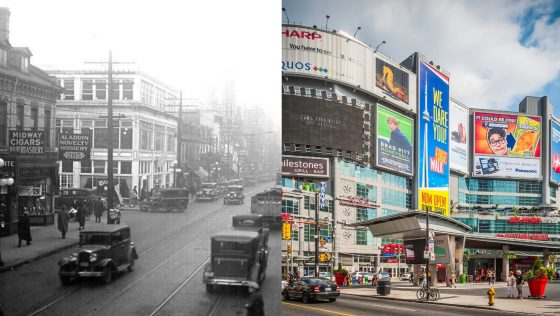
(310, 289)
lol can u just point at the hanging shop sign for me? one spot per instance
(305, 166)
(529, 220)
(356, 201)
(29, 190)
(75, 146)
(27, 142)
(524, 236)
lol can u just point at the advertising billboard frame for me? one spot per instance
(377, 139)
(492, 161)
(552, 155)
(323, 161)
(455, 137)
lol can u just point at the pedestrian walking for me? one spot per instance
(98, 210)
(519, 284)
(490, 276)
(81, 216)
(511, 285)
(133, 197)
(452, 280)
(411, 279)
(63, 221)
(24, 228)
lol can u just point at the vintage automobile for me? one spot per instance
(237, 259)
(103, 250)
(253, 222)
(208, 192)
(166, 200)
(234, 195)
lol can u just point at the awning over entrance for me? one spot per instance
(491, 242)
(201, 173)
(412, 224)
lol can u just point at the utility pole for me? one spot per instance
(317, 234)
(110, 186)
(427, 245)
(179, 139)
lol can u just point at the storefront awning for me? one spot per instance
(201, 173)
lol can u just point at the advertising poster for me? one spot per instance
(433, 140)
(506, 145)
(555, 152)
(75, 146)
(27, 142)
(395, 133)
(390, 79)
(458, 136)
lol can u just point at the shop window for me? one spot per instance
(290, 206)
(126, 167)
(20, 108)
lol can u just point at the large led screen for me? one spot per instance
(316, 122)
(392, 80)
(506, 145)
(433, 140)
(395, 135)
(555, 152)
(458, 137)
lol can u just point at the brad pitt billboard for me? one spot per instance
(395, 133)
(507, 145)
(317, 122)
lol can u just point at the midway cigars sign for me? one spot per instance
(26, 142)
(73, 146)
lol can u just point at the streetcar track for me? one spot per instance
(179, 287)
(217, 305)
(175, 235)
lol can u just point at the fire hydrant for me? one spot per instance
(491, 294)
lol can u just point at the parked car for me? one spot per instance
(405, 276)
(234, 195)
(208, 192)
(253, 222)
(166, 200)
(236, 260)
(326, 275)
(103, 250)
(309, 289)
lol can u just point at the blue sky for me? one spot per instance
(497, 52)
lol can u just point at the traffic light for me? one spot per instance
(327, 256)
(286, 231)
(322, 242)
(289, 249)
(322, 257)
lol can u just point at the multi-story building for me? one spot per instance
(145, 128)
(27, 135)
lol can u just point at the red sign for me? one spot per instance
(392, 248)
(529, 220)
(301, 34)
(356, 201)
(524, 236)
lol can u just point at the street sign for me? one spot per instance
(432, 256)
(426, 254)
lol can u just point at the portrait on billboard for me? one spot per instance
(506, 145)
(391, 80)
(555, 152)
(394, 140)
(458, 134)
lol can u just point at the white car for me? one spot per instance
(405, 276)
(326, 275)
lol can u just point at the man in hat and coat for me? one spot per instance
(24, 228)
(63, 221)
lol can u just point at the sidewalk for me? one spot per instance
(458, 297)
(46, 241)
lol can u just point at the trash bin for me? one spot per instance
(384, 287)
(463, 279)
(360, 279)
(354, 281)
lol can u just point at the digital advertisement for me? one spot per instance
(392, 80)
(555, 152)
(459, 137)
(507, 145)
(433, 140)
(395, 135)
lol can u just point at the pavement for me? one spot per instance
(465, 295)
(46, 240)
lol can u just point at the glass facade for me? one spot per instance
(470, 192)
(486, 226)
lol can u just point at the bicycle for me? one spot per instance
(427, 293)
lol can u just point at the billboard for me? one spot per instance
(305, 166)
(318, 122)
(395, 135)
(555, 152)
(340, 57)
(75, 146)
(506, 145)
(458, 137)
(433, 140)
(392, 80)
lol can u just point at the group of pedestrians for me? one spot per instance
(515, 282)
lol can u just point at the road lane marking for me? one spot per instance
(318, 309)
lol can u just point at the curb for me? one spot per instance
(428, 302)
(38, 257)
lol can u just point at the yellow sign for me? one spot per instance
(434, 200)
(321, 257)
(286, 231)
